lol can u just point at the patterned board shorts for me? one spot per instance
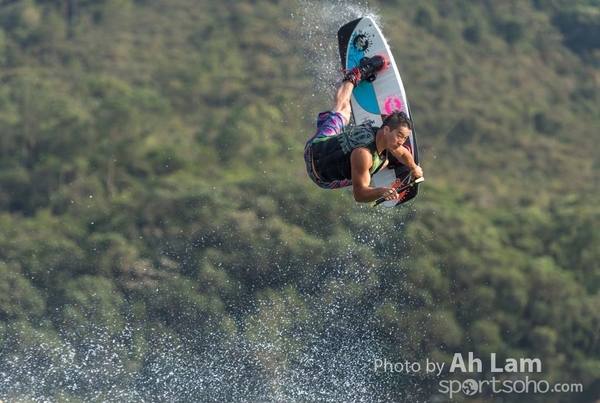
(328, 124)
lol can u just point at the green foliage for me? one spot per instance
(153, 197)
(580, 27)
(18, 297)
(91, 301)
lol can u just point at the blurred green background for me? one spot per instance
(160, 240)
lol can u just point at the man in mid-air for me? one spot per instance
(337, 158)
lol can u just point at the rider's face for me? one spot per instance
(400, 135)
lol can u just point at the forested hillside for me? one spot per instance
(161, 241)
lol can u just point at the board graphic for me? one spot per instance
(373, 101)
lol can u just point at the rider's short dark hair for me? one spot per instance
(398, 119)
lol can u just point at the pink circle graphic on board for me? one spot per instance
(393, 103)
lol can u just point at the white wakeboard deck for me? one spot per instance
(373, 101)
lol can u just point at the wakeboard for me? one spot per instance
(373, 101)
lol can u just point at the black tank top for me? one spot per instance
(331, 154)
